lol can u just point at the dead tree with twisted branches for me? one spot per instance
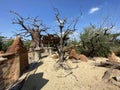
(30, 27)
(65, 31)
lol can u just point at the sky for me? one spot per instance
(93, 11)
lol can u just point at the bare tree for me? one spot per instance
(30, 27)
(64, 32)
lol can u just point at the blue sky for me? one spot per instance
(93, 11)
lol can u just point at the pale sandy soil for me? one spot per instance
(85, 77)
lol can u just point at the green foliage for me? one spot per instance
(1, 43)
(116, 49)
(95, 42)
(73, 42)
(6, 44)
(27, 44)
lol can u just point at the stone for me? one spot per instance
(83, 58)
(10, 71)
(117, 78)
(2, 84)
(18, 47)
(1, 58)
(112, 57)
(73, 54)
(76, 56)
(31, 55)
(54, 56)
(13, 62)
(2, 52)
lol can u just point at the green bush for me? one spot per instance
(27, 44)
(1, 44)
(94, 42)
(6, 44)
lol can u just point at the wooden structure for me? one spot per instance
(52, 39)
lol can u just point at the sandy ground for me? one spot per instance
(85, 77)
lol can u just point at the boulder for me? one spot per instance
(112, 57)
(83, 58)
(10, 71)
(54, 56)
(76, 56)
(13, 63)
(1, 52)
(18, 48)
(73, 54)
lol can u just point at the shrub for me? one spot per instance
(94, 42)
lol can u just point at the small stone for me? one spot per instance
(117, 78)
(1, 58)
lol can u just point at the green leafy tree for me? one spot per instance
(1, 43)
(73, 42)
(27, 44)
(6, 44)
(95, 41)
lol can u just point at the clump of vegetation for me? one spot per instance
(5, 44)
(73, 42)
(1, 43)
(96, 41)
(27, 44)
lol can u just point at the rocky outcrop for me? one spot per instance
(18, 48)
(10, 70)
(76, 56)
(2, 85)
(13, 63)
(54, 56)
(112, 57)
(2, 52)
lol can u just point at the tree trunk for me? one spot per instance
(61, 54)
(36, 39)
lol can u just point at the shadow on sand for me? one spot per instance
(34, 82)
(33, 66)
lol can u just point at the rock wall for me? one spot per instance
(15, 65)
(112, 57)
(18, 48)
(2, 85)
(9, 71)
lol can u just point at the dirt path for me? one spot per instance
(85, 77)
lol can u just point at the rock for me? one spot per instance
(73, 54)
(1, 52)
(76, 56)
(17, 47)
(117, 78)
(112, 57)
(54, 56)
(10, 71)
(2, 84)
(1, 58)
(83, 58)
(76, 61)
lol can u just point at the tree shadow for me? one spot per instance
(19, 84)
(34, 82)
(33, 66)
(44, 56)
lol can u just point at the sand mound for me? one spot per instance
(85, 77)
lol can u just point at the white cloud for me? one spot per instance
(92, 10)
